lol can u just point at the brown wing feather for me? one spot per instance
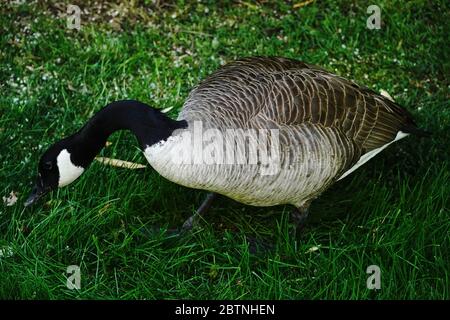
(291, 92)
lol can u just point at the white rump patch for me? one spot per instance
(386, 94)
(369, 155)
(68, 172)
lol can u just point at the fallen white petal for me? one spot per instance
(312, 249)
(11, 199)
(6, 252)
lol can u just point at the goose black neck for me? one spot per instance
(149, 126)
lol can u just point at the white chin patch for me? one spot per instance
(68, 172)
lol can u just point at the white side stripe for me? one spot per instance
(369, 155)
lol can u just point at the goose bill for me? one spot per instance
(36, 193)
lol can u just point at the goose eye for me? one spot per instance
(48, 165)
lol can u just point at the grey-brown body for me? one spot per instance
(325, 123)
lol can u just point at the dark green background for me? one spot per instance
(394, 212)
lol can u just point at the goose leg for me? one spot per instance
(202, 210)
(300, 216)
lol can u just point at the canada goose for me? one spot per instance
(320, 126)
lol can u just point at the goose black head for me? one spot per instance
(56, 168)
(66, 160)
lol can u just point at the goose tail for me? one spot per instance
(415, 130)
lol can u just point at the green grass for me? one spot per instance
(394, 212)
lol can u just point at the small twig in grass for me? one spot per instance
(120, 163)
(302, 4)
(249, 5)
(196, 33)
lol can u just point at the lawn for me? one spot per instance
(113, 222)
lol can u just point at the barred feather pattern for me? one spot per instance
(325, 122)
